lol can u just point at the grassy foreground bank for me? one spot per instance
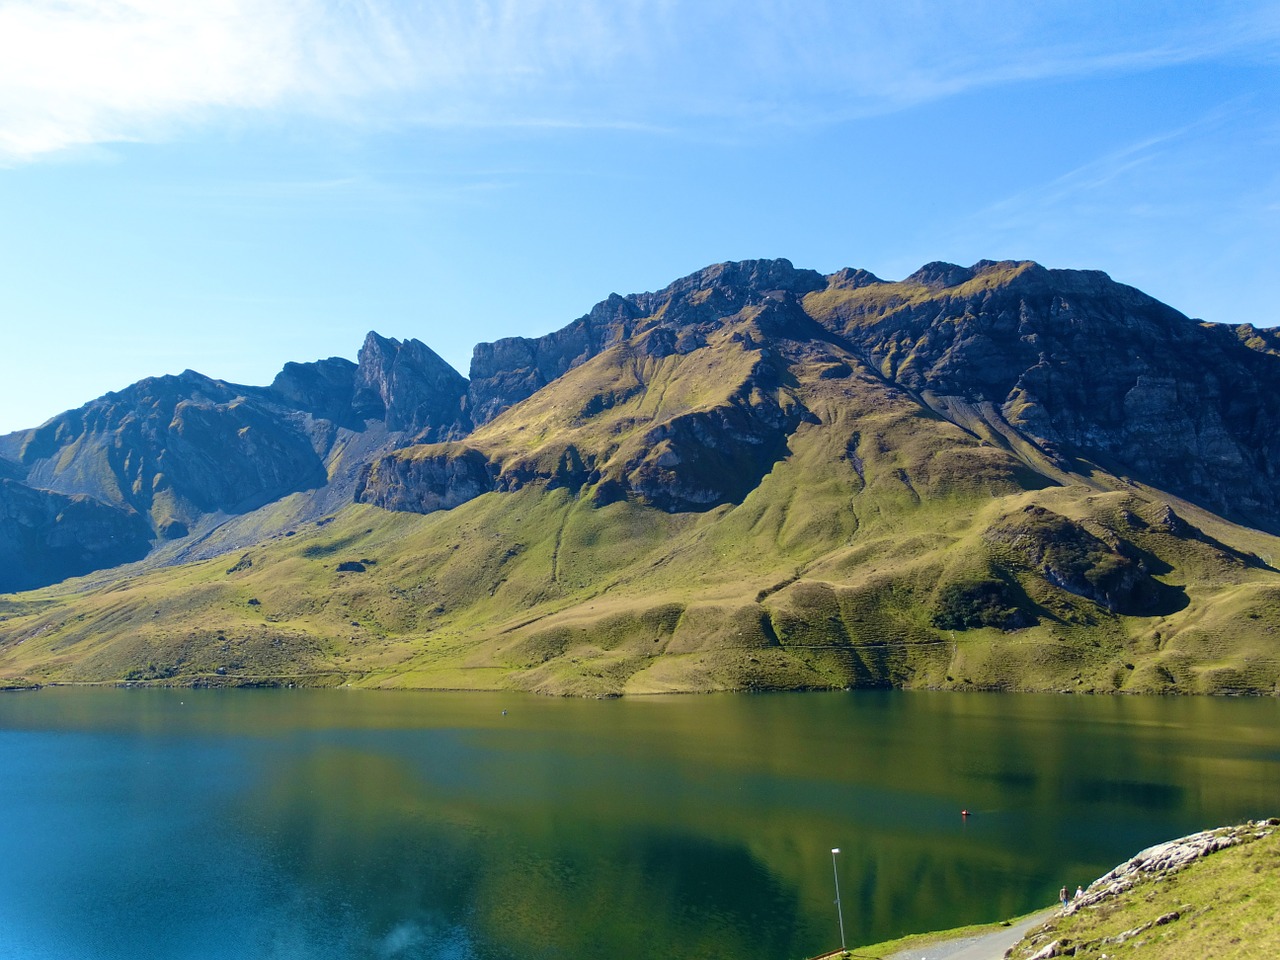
(1214, 894)
(916, 944)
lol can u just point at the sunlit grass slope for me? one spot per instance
(886, 546)
(1222, 905)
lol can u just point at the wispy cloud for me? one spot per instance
(77, 72)
(1173, 213)
(1120, 183)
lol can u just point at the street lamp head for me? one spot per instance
(835, 849)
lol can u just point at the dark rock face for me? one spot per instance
(1085, 370)
(405, 385)
(410, 388)
(423, 484)
(45, 537)
(704, 459)
(323, 388)
(707, 457)
(172, 448)
(233, 456)
(1089, 368)
(940, 274)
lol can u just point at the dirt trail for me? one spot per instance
(990, 946)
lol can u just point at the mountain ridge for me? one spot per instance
(1027, 456)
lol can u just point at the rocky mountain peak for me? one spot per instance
(758, 275)
(1024, 274)
(852, 278)
(1086, 366)
(409, 386)
(939, 274)
(150, 398)
(507, 371)
(323, 388)
(722, 289)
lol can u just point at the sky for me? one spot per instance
(229, 185)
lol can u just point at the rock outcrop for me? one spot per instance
(323, 389)
(1140, 880)
(438, 478)
(45, 536)
(410, 389)
(507, 371)
(1086, 368)
(169, 456)
(685, 398)
(1073, 559)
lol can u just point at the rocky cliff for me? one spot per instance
(987, 477)
(510, 370)
(46, 536)
(1069, 369)
(1083, 367)
(173, 457)
(410, 389)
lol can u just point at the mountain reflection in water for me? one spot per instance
(326, 824)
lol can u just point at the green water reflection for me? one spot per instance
(352, 824)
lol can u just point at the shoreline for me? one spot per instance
(337, 679)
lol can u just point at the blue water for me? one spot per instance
(343, 824)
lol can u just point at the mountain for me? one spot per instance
(172, 458)
(1000, 476)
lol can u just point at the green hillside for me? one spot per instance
(886, 546)
(998, 477)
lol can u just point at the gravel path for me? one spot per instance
(991, 946)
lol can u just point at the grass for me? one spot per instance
(541, 590)
(880, 549)
(1223, 905)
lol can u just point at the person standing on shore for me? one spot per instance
(1062, 895)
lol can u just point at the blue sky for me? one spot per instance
(232, 184)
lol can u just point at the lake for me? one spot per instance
(352, 824)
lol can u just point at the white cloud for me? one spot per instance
(76, 72)
(89, 71)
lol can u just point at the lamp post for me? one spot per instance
(839, 911)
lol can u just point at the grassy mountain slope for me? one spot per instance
(885, 546)
(741, 488)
